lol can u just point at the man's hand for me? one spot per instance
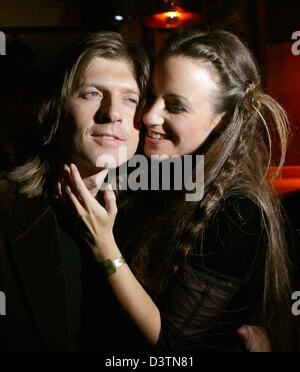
(256, 339)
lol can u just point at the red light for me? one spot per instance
(173, 19)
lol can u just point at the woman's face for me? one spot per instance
(181, 115)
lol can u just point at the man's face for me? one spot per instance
(101, 116)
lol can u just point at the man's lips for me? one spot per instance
(107, 138)
(111, 136)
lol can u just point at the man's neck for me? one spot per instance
(94, 182)
(93, 178)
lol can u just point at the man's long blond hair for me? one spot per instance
(34, 175)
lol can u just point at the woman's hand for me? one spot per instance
(256, 339)
(98, 220)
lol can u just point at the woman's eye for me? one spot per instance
(174, 107)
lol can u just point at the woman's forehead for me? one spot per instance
(179, 74)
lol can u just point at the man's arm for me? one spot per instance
(256, 339)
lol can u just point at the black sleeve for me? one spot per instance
(217, 291)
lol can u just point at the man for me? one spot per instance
(88, 115)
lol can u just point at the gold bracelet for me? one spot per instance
(110, 266)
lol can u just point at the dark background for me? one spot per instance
(48, 26)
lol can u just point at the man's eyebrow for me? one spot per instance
(103, 87)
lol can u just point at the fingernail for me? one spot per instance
(109, 187)
(68, 189)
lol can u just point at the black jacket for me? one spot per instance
(31, 275)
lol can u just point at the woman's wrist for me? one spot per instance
(106, 248)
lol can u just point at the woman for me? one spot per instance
(197, 270)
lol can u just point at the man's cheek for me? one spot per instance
(134, 144)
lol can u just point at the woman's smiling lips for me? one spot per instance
(157, 138)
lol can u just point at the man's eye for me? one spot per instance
(133, 100)
(92, 94)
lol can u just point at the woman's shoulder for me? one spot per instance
(241, 206)
(238, 214)
(235, 239)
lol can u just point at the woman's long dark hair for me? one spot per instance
(237, 157)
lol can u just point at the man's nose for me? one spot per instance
(109, 112)
(154, 114)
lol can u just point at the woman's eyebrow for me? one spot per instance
(178, 96)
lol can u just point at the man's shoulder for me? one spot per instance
(7, 206)
(16, 208)
(6, 187)
(7, 190)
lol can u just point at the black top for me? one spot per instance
(205, 303)
(220, 286)
(218, 291)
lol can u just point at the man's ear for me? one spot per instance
(218, 121)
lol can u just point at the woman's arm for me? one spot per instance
(134, 299)
(99, 222)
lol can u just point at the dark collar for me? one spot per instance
(29, 210)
